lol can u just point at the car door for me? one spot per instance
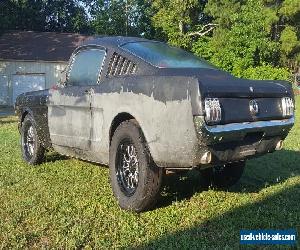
(70, 113)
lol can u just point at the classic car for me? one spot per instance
(143, 107)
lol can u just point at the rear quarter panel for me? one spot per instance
(163, 107)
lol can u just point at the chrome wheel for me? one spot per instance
(29, 141)
(134, 177)
(33, 151)
(127, 169)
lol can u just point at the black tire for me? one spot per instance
(135, 178)
(32, 150)
(223, 176)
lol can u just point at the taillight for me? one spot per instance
(287, 106)
(213, 112)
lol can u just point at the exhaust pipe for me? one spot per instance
(206, 158)
(279, 145)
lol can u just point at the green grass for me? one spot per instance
(67, 203)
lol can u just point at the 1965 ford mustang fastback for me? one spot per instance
(142, 106)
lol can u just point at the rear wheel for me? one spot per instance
(32, 150)
(223, 176)
(135, 178)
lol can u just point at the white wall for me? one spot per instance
(51, 70)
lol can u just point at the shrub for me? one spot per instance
(266, 72)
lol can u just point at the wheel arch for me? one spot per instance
(24, 113)
(125, 116)
(118, 119)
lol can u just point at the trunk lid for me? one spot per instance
(215, 83)
(218, 83)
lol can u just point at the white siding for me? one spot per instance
(26, 83)
(3, 90)
(51, 70)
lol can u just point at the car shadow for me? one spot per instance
(268, 170)
(278, 211)
(180, 186)
(54, 157)
(259, 173)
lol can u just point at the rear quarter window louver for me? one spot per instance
(120, 65)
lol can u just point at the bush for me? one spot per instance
(266, 72)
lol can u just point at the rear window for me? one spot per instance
(162, 55)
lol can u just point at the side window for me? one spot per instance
(86, 67)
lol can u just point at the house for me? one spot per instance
(33, 61)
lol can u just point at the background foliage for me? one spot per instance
(251, 38)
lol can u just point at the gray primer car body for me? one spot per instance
(167, 104)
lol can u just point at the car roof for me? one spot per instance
(114, 41)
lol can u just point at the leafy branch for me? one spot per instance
(205, 30)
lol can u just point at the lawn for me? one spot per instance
(67, 203)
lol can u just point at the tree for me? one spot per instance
(7, 17)
(243, 39)
(21, 15)
(289, 13)
(177, 20)
(65, 16)
(240, 36)
(42, 15)
(121, 17)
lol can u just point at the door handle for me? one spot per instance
(89, 91)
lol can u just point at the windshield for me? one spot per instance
(164, 56)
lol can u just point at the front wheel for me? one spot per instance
(223, 176)
(32, 150)
(135, 179)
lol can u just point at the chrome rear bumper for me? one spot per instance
(238, 141)
(237, 131)
(235, 127)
